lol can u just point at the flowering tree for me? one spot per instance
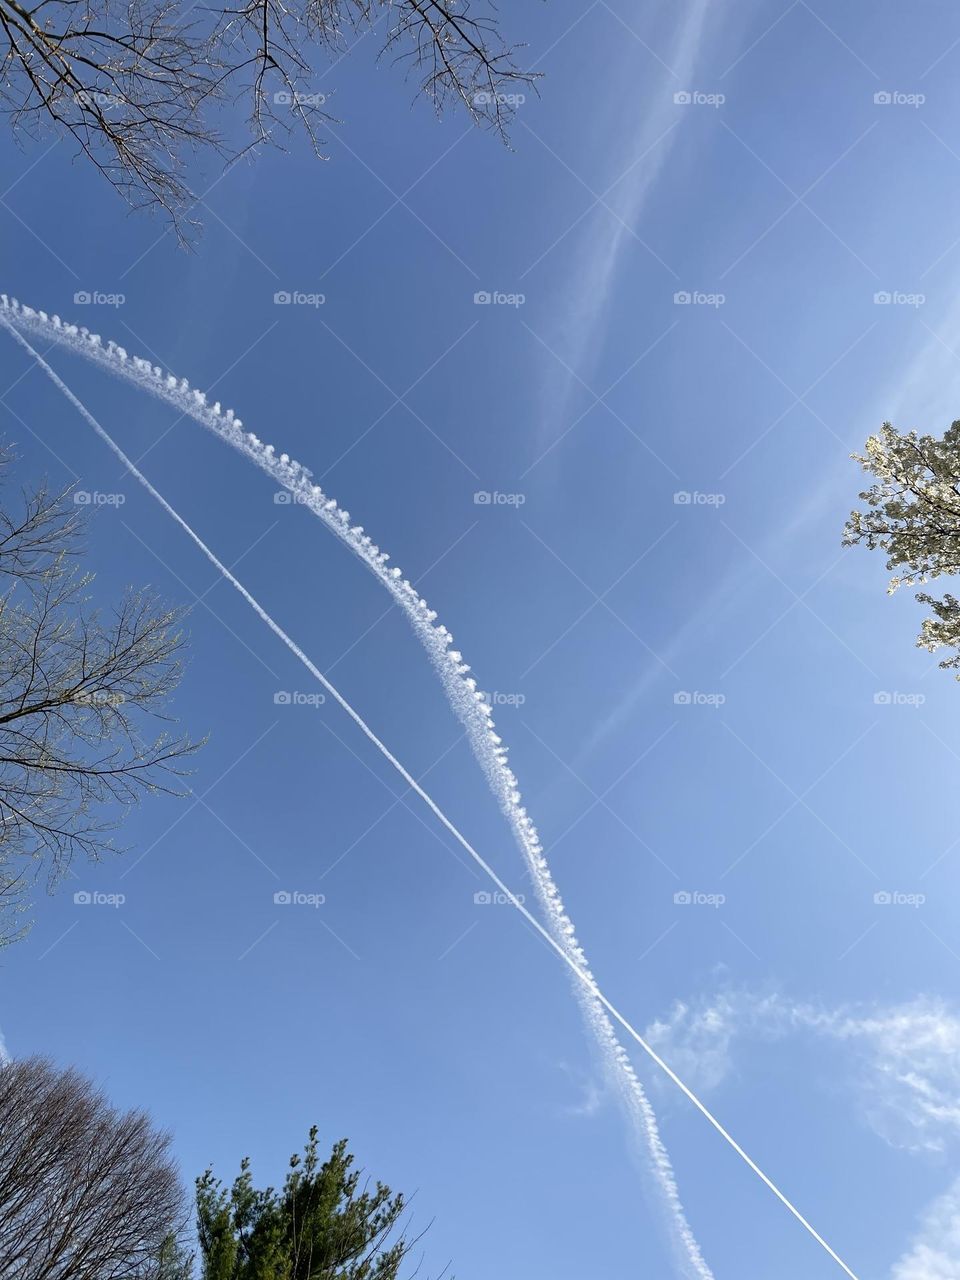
(913, 514)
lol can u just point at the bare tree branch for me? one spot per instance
(134, 82)
(76, 687)
(86, 1192)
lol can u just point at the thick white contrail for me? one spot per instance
(467, 701)
(469, 704)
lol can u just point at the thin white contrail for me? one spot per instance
(468, 705)
(468, 702)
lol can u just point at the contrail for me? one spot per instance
(467, 701)
(469, 704)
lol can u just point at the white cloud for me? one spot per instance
(591, 1101)
(905, 1074)
(698, 1042)
(934, 1253)
(634, 172)
(912, 1074)
(906, 1068)
(590, 1093)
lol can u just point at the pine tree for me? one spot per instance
(321, 1225)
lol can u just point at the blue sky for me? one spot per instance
(438, 1034)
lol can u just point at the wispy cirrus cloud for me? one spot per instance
(934, 1253)
(904, 1070)
(591, 1100)
(599, 240)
